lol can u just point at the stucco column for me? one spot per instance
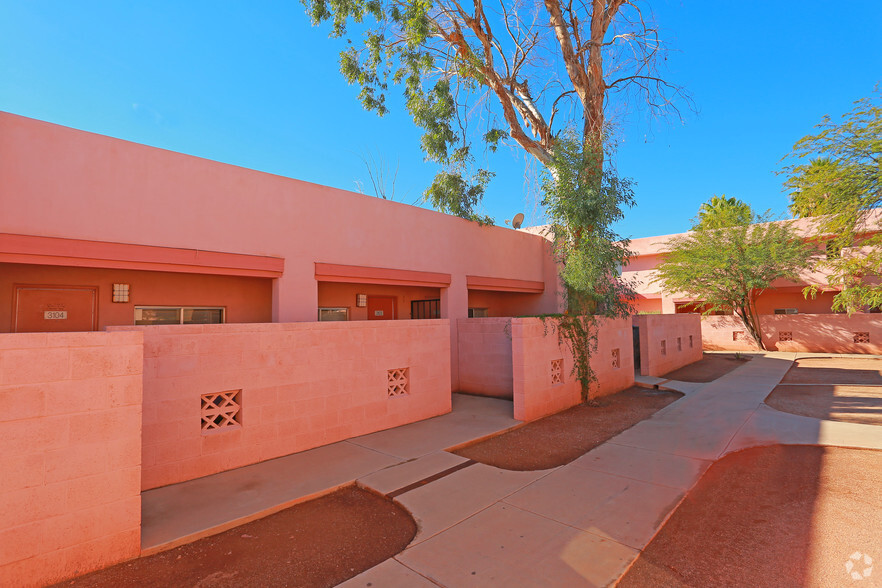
(295, 294)
(455, 305)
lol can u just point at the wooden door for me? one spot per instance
(381, 308)
(48, 309)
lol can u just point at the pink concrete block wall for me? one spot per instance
(535, 346)
(485, 366)
(302, 385)
(668, 342)
(70, 468)
(822, 333)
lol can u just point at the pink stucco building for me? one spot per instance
(788, 319)
(165, 317)
(96, 231)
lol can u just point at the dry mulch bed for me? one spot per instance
(832, 388)
(560, 438)
(321, 542)
(710, 367)
(835, 370)
(772, 516)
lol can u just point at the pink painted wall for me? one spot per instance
(792, 297)
(246, 300)
(303, 385)
(507, 304)
(67, 183)
(647, 306)
(674, 330)
(824, 333)
(535, 345)
(485, 357)
(342, 294)
(70, 465)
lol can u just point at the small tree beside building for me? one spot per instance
(729, 266)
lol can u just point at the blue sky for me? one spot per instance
(253, 84)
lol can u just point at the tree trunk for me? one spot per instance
(751, 321)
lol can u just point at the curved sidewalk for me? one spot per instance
(582, 524)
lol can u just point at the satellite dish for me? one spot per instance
(517, 221)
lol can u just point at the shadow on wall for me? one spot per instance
(816, 333)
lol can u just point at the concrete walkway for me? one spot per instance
(181, 513)
(581, 524)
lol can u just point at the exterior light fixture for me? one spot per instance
(120, 292)
(361, 300)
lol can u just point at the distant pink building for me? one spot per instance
(816, 328)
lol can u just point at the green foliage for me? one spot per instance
(837, 176)
(500, 68)
(452, 194)
(719, 212)
(583, 198)
(728, 268)
(396, 50)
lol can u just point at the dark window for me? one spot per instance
(425, 309)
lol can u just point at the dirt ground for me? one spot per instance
(317, 543)
(773, 516)
(835, 370)
(710, 367)
(853, 404)
(832, 388)
(560, 438)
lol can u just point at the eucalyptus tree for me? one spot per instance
(537, 76)
(513, 71)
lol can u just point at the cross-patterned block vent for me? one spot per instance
(616, 360)
(862, 337)
(556, 371)
(785, 335)
(398, 382)
(664, 347)
(221, 410)
(738, 335)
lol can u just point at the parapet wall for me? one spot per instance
(544, 382)
(668, 342)
(816, 333)
(218, 397)
(70, 468)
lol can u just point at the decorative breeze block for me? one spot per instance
(862, 337)
(398, 382)
(785, 335)
(616, 363)
(221, 410)
(679, 344)
(690, 341)
(664, 347)
(556, 371)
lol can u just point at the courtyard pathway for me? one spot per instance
(580, 524)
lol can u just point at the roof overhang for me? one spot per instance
(504, 285)
(359, 274)
(37, 250)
